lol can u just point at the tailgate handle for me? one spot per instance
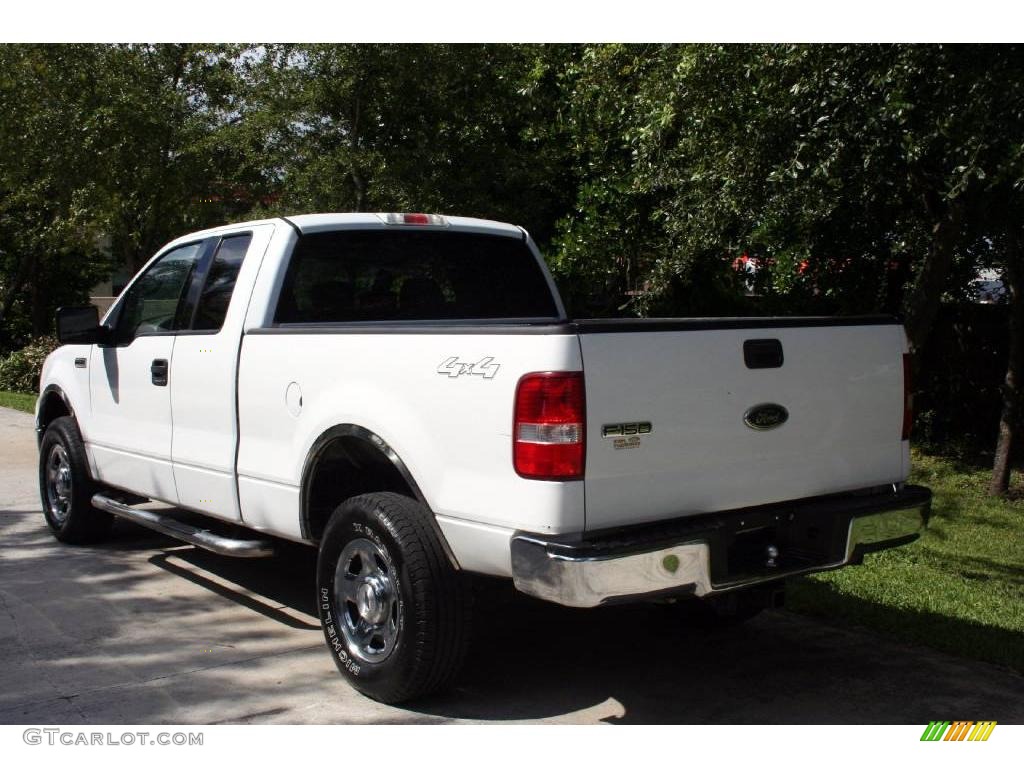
(762, 353)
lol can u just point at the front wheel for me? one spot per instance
(66, 487)
(395, 613)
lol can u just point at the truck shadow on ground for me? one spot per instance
(652, 663)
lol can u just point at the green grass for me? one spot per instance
(19, 400)
(960, 588)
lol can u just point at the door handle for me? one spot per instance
(158, 372)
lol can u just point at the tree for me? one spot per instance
(175, 153)
(1010, 416)
(846, 170)
(48, 248)
(447, 128)
(130, 144)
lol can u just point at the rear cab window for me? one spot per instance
(352, 276)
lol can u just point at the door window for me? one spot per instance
(220, 282)
(154, 303)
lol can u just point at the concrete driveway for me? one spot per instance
(144, 630)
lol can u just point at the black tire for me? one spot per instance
(67, 504)
(384, 545)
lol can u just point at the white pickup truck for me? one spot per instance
(406, 392)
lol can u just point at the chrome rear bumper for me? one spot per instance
(691, 556)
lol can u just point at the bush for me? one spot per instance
(20, 370)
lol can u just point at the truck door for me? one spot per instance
(204, 371)
(130, 428)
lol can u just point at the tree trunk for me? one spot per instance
(358, 182)
(38, 310)
(923, 302)
(1010, 417)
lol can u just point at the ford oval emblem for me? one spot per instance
(765, 416)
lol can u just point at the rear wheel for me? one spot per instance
(395, 613)
(66, 487)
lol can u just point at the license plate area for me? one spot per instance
(762, 545)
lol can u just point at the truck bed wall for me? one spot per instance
(454, 433)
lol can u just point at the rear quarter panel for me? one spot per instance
(452, 432)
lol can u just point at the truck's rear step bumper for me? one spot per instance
(222, 545)
(715, 553)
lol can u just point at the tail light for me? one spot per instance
(908, 398)
(549, 427)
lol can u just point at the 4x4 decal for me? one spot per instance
(453, 367)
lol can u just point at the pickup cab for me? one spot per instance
(406, 393)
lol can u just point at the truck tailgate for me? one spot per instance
(840, 385)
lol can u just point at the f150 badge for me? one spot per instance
(453, 367)
(626, 435)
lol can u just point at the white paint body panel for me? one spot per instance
(478, 547)
(203, 376)
(454, 434)
(842, 386)
(129, 430)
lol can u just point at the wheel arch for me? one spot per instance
(348, 460)
(53, 403)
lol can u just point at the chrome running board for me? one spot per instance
(174, 528)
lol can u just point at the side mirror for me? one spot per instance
(80, 325)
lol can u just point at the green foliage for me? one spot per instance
(119, 146)
(958, 589)
(447, 128)
(20, 370)
(612, 253)
(176, 155)
(48, 228)
(839, 168)
(859, 177)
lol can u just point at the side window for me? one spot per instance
(220, 282)
(154, 301)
